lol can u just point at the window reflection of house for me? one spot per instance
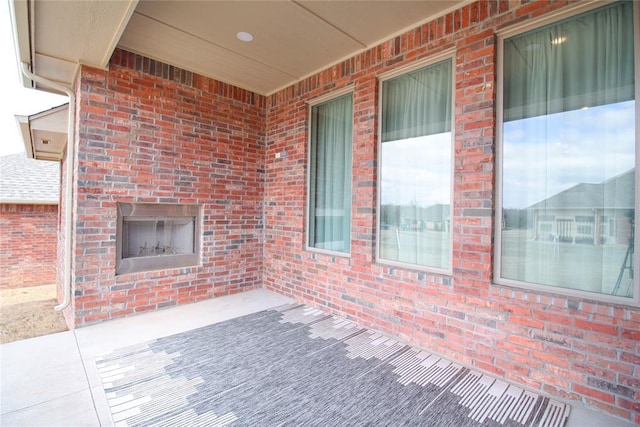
(588, 213)
(417, 218)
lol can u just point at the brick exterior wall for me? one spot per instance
(155, 134)
(28, 245)
(569, 347)
(152, 133)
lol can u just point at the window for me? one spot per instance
(329, 217)
(567, 155)
(414, 221)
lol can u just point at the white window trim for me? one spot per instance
(442, 56)
(310, 104)
(497, 267)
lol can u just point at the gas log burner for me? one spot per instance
(154, 236)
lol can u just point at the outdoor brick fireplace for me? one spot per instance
(170, 190)
(153, 236)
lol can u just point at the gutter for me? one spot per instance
(66, 285)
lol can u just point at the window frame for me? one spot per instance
(348, 90)
(448, 54)
(516, 30)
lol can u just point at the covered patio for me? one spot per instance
(363, 159)
(57, 379)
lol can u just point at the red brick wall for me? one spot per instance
(155, 134)
(569, 347)
(28, 245)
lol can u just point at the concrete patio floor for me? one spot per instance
(52, 380)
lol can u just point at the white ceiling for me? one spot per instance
(292, 38)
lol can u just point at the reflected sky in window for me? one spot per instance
(545, 155)
(416, 171)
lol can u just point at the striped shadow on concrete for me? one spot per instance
(295, 365)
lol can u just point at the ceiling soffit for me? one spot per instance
(291, 39)
(55, 37)
(45, 134)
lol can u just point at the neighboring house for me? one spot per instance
(596, 214)
(201, 165)
(435, 217)
(29, 191)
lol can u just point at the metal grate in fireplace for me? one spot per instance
(154, 236)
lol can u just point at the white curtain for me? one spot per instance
(330, 174)
(417, 103)
(581, 62)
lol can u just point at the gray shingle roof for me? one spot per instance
(617, 192)
(24, 180)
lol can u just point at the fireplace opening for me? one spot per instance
(157, 236)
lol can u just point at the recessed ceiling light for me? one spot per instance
(244, 36)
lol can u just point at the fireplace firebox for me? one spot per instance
(155, 236)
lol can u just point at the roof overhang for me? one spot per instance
(44, 134)
(292, 39)
(55, 37)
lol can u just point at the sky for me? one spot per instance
(545, 155)
(408, 164)
(16, 99)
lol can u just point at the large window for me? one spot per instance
(414, 220)
(329, 217)
(568, 155)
